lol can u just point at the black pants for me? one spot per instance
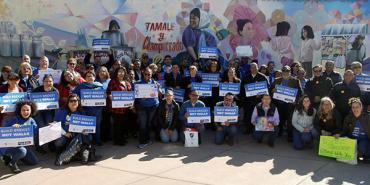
(285, 114)
(106, 134)
(119, 128)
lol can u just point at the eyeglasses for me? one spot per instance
(73, 101)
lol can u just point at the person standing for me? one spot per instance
(318, 86)
(308, 46)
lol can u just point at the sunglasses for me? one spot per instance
(73, 101)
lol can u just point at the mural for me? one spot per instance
(39, 27)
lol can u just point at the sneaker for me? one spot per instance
(230, 142)
(141, 146)
(14, 167)
(6, 160)
(85, 156)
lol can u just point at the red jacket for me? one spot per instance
(115, 85)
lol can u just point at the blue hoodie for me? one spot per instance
(61, 116)
(96, 85)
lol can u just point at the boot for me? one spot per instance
(72, 149)
(14, 167)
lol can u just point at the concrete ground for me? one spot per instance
(244, 163)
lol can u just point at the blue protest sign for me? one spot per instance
(226, 114)
(211, 78)
(363, 82)
(123, 99)
(254, 89)
(208, 52)
(82, 124)
(199, 115)
(233, 88)
(15, 137)
(8, 100)
(285, 94)
(93, 97)
(178, 95)
(203, 89)
(46, 100)
(101, 44)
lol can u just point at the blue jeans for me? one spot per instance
(145, 118)
(258, 135)
(229, 131)
(166, 138)
(22, 153)
(363, 146)
(301, 138)
(98, 114)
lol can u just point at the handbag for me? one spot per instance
(191, 137)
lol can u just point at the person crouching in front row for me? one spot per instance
(265, 118)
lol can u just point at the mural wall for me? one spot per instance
(159, 26)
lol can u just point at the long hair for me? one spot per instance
(20, 104)
(73, 95)
(356, 43)
(240, 24)
(300, 107)
(310, 34)
(320, 111)
(115, 73)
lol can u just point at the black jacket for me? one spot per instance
(161, 116)
(350, 122)
(292, 83)
(171, 81)
(341, 93)
(250, 79)
(318, 86)
(333, 125)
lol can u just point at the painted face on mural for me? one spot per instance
(248, 31)
(194, 21)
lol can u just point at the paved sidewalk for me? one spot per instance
(244, 163)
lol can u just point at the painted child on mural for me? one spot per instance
(282, 43)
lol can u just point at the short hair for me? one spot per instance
(47, 76)
(13, 76)
(20, 104)
(90, 72)
(254, 64)
(6, 68)
(167, 56)
(356, 63)
(317, 66)
(309, 31)
(44, 57)
(193, 67)
(354, 100)
(71, 60)
(349, 71)
(229, 94)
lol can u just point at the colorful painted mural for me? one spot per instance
(159, 26)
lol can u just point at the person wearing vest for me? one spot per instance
(265, 118)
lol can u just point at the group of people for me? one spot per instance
(325, 104)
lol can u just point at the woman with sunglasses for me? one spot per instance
(65, 149)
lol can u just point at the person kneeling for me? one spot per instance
(168, 118)
(24, 111)
(73, 143)
(265, 118)
(226, 129)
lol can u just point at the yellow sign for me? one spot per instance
(341, 148)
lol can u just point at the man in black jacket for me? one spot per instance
(330, 73)
(343, 91)
(318, 86)
(286, 109)
(250, 102)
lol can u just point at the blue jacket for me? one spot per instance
(147, 102)
(21, 121)
(96, 85)
(183, 110)
(61, 116)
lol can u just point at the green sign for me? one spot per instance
(341, 148)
